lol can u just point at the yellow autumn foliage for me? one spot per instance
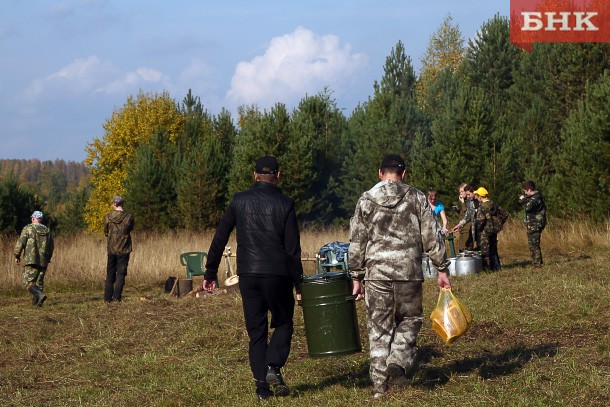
(445, 50)
(108, 158)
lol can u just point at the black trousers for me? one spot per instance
(261, 295)
(116, 270)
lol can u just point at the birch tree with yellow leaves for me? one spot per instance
(445, 51)
(108, 158)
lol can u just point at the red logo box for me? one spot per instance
(559, 21)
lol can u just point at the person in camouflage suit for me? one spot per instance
(468, 206)
(36, 244)
(118, 225)
(392, 226)
(484, 228)
(534, 219)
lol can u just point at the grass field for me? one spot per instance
(539, 337)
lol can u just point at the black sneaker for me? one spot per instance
(396, 375)
(275, 379)
(263, 394)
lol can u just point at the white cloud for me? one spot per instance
(81, 76)
(141, 78)
(294, 65)
(92, 75)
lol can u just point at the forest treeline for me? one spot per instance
(59, 188)
(484, 112)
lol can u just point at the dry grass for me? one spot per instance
(539, 337)
(81, 259)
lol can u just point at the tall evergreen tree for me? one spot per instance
(201, 185)
(316, 128)
(549, 82)
(261, 133)
(387, 123)
(491, 59)
(581, 186)
(150, 184)
(461, 140)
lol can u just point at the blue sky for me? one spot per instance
(65, 66)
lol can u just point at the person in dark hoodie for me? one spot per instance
(392, 226)
(269, 267)
(118, 225)
(36, 244)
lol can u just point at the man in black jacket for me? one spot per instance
(268, 266)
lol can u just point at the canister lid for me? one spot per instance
(322, 277)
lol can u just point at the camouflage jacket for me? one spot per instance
(483, 221)
(392, 226)
(471, 210)
(535, 212)
(117, 228)
(36, 243)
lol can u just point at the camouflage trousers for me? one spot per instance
(533, 240)
(394, 317)
(34, 274)
(488, 245)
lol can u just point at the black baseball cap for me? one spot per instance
(392, 161)
(266, 165)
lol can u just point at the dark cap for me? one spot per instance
(118, 201)
(392, 161)
(266, 165)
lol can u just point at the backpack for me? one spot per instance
(498, 217)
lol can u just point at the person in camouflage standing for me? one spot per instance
(469, 207)
(534, 219)
(488, 236)
(36, 244)
(392, 226)
(118, 225)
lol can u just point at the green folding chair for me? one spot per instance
(194, 263)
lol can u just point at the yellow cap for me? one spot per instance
(481, 192)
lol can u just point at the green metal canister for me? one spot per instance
(329, 314)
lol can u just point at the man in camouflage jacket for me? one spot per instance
(484, 228)
(469, 208)
(36, 244)
(118, 225)
(534, 219)
(392, 226)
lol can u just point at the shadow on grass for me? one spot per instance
(487, 366)
(429, 377)
(358, 378)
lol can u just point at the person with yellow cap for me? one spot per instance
(484, 227)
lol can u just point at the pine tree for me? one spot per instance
(581, 186)
(261, 133)
(150, 184)
(461, 140)
(491, 59)
(549, 82)
(385, 124)
(202, 182)
(317, 126)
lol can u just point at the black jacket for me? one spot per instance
(268, 241)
